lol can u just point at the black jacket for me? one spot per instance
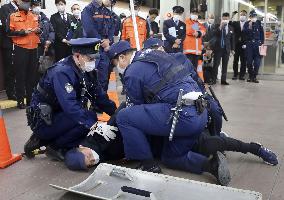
(5, 12)
(240, 36)
(60, 26)
(152, 26)
(76, 29)
(229, 39)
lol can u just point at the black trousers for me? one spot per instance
(209, 145)
(26, 63)
(239, 55)
(193, 59)
(9, 72)
(218, 55)
(61, 50)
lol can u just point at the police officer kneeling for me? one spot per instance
(59, 116)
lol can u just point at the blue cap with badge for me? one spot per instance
(153, 42)
(86, 46)
(118, 48)
(252, 13)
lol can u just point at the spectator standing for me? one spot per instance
(152, 25)
(225, 44)
(61, 22)
(7, 49)
(76, 27)
(174, 30)
(24, 30)
(240, 44)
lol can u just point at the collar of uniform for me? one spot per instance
(94, 3)
(132, 57)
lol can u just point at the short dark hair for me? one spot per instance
(74, 5)
(58, 1)
(226, 14)
(129, 51)
(154, 11)
(244, 11)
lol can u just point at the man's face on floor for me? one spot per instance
(89, 158)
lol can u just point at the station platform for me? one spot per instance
(255, 113)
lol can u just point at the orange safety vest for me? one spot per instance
(22, 20)
(191, 44)
(127, 32)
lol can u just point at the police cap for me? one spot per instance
(178, 9)
(75, 160)
(153, 42)
(252, 13)
(86, 46)
(118, 48)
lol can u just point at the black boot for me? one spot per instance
(21, 104)
(55, 154)
(32, 144)
(218, 167)
(149, 166)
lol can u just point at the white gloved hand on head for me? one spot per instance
(104, 130)
(244, 46)
(191, 96)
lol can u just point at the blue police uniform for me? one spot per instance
(100, 22)
(146, 116)
(65, 89)
(254, 39)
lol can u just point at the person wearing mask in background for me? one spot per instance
(76, 28)
(254, 33)
(99, 21)
(24, 29)
(225, 44)
(152, 25)
(61, 22)
(127, 32)
(174, 30)
(240, 44)
(47, 35)
(210, 30)
(192, 45)
(7, 49)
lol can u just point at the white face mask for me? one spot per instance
(61, 8)
(193, 17)
(37, 10)
(96, 157)
(77, 13)
(243, 18)
(90, 66)
(226, 22)
(211, 21)
(177, 18)
(254, 19)
(136, 12)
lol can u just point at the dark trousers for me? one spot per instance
(61, 50)
(218, 55)
(193, 59)
(26, 63)
(9, 72)
(239, 54)
(253, 58)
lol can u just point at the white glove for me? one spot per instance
(191, 96)
(244, 46)
(104, 130)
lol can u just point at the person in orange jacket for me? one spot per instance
(192, 45)
(127, 32)
(23, 28)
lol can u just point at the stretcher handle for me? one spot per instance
(135, 191)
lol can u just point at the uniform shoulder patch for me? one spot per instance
(69, 88)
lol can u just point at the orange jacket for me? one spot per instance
(191, 44)
(21, 21)
(127, 32)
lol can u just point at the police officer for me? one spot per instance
(174, 30)
(128, 33)
(58, 115)
(24, 30)
(99, 21)
(254, 38)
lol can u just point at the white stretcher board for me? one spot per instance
(101, 185)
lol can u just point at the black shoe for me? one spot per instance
(249, 80)
(32, 144)
(255, 80)
(234, 78)
(55, 154)
(149, 167)
(224, 83)
(242, 78)
(21, 105)
(220, 169)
